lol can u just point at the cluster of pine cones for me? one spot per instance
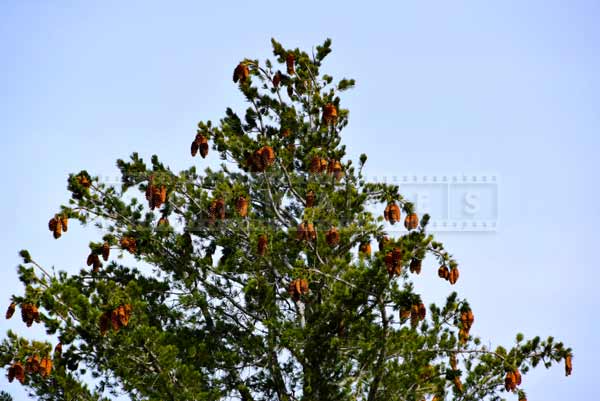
(29, 313)
(416, 312)
(466, 320)
(155, 196)
(391, 213)
(116, 318)
(415, 266)
(261, 159)
(393, 262)
(94, 260)
(241, 73)
(58, 225)
(329, 114)
(216, 210)
(512, 380)
(33, 365)
(306, 232)
(129, 244)
(320, 165)
(298, 287)
(450, 275)
(200, 143)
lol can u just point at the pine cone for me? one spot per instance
(203, 146)
(57, 229)
(267, 156)
(422, 311)
(301, 232)
(241, 73)
(509, 382)
(332, 237)
(394, 213)
(58, 350)
(32, 364)
(315, 165)
(414, 316)
(365, 248)
(262, 244)
(289, 62)
(335, 168)
(105, 251)
(518, 377)
(443, 272)
(404, 313)
(453, 275)
(568, 365)
(104, 323)
(16, 371)
(329, 113)
(415, 266)
(277, 79)
(64, 222)
(411, 222)
(241, 206)
(52, 224)
(194, 148)
(11, 310)
(45, 366)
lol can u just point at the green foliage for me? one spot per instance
(259, 300)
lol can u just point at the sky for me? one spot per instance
(506, 89)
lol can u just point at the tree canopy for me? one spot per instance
(274, 277)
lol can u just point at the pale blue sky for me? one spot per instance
(505, 87)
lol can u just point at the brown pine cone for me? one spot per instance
(241, 206)
(568, 365)
(104, 323)
(289, 62)
(11, 310)
(32, 364)
(58, 350)
(262, 244)
(64, 223)
(415, 266)
(277, 79)
(329, 113)
(411, 221)
(310, 198)
(105, 251)
(194, 148)
(45, 366)
(16, 371)
(332, 237)
(453, 275)
(365, 248)
(241, 73)
(443, 272)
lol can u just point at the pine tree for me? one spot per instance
(257, 281)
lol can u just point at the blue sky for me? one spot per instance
(509, 88)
